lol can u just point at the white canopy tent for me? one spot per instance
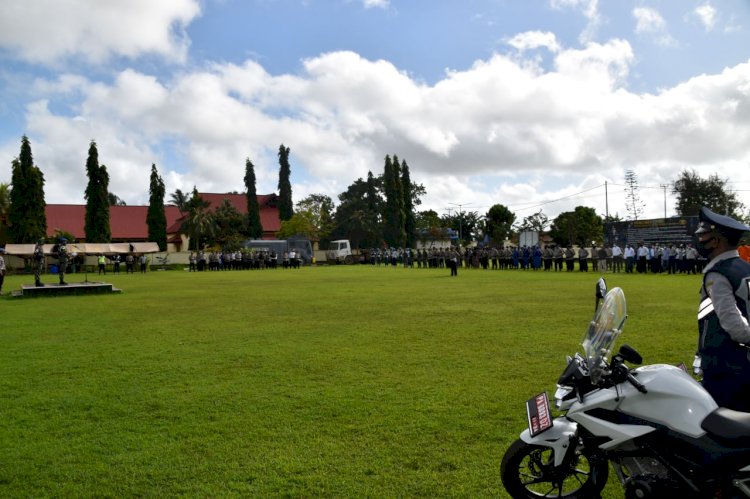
(27, 250)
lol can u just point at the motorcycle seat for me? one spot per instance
(729, 425)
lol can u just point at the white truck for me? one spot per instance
(340, 251)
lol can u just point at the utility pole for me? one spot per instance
(606, 200)
(664, 187)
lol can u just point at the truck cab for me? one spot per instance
(340, 251)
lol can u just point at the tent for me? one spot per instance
(27, 250)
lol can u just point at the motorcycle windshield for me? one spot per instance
(603, 331)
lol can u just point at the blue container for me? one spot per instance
(53, 269)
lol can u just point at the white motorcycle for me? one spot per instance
(663, 433)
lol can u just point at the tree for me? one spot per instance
(633, 203)
(408, 204)
(580, 227)
(354, 220)
(467, 223)
(394, 232)
(180, 200)
(114, 200)
(285, 187)
(199, 223)
(318, 212)
(253, 224)
(301, 224)
(693, 192)
(429, 226)
(499, 223)
(536, 222)
(4, 211)
(229, 225)
(96, 226)
(26, 216)
(156, 219)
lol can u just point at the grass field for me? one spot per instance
(325, 381)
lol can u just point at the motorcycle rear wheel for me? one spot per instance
(528, 471)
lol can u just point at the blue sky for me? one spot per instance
(533, 104)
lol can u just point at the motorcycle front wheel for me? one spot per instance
(528, 471)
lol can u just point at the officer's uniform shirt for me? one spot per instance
(724, 302)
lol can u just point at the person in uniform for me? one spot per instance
(2, 269)
(62, 260)
(724, 335)
(129, 261)
(38, 262)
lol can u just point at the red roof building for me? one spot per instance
(128, 223)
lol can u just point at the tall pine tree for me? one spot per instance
(286, 207)
(96, 225)
(254, 226)
(26, 216)
(373, 201)
(408, 203)
(393, 217)
(156, 219)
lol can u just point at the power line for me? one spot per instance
(558, 199)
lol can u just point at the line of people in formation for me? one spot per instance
(242, 260)
(644, 258)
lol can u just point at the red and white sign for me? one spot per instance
(537, 410)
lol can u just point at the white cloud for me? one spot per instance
(383, 4)
(707, 16)
(501, 131)
(44, 32)
(650, 22)
(535, 39)
(590, 9)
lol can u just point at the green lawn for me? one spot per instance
(325, 381)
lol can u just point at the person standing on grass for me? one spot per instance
(62, 258)
(616, 258)
(2, 269)
(101, 264)
(129, 261)
(142, 261)
(38, 262)
(723, 312)
(583, 262)
(453, 262)
(629, 259)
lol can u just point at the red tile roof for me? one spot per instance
(269, 212)
(129, 222)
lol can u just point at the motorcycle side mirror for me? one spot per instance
(600, 292)
(601, 288)
(629, 354)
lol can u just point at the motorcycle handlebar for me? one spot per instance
(637, 384)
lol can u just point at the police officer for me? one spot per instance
(724, 334)
(38, 262)
(62, 259)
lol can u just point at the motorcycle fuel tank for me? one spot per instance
(674, 399)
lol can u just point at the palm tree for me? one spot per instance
(180, 200)
(199, 223)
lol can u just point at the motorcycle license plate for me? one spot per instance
(537, 410)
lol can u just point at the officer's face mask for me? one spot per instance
(706, 247)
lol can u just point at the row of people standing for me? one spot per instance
(653, 258)
(242, 260)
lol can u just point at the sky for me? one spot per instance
(539, 105)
